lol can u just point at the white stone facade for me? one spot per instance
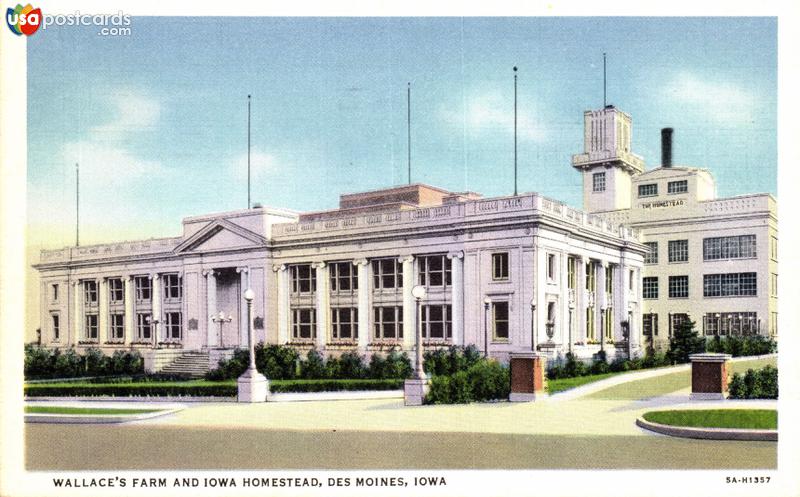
(341, 280)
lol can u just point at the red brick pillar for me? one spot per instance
(709, 376)
(527, 376)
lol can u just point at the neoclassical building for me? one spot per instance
(505, 274)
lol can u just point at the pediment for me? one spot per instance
(221, 235)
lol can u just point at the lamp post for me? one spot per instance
(419, 292)
(220, 318)
(533, 325)
(486, 303)
(252, 386)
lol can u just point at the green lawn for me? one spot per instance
(668, 383)
(84, 410)
(761, 419)
(561, 384)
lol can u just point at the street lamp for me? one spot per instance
(533, 325)
(252, 386)
(419, 292)
(220, 318)
(486, 303)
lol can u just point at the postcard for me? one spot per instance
(397, 250)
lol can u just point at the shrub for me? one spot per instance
(42, 363)
(277, 361)
(484, 380)
(599, 363)
(394, 365)
(451, 360)
(313, 367)
(741, 345)
(755, 384)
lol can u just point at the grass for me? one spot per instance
(760, 419)
(562, 384)
(84, 410)
(668, 383)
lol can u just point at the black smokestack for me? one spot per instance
(666, 147)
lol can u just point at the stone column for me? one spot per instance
(600, 302)
(244, 284)
(565, 306)
(130, 321)
(102, 311)
(540, 293)
(409, 304)
(364, 329)
(211, 308)
(77, 311)
(283, 303)
(457, 295)
(581, 300)
(322, 304)
(527, 377)
(157, 318)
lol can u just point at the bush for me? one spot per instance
(442, 362)
(42, 363)
(329, 385)
(485, 380)
(741, 345)
(394, 365)
(599, 363)
(755, 384)
(277, 361)
(313, 367)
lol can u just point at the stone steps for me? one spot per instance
(189, 364)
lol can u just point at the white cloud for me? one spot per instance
(108, 163)
(261, 164)
(134, 113)
(722, 101)
(492, 112)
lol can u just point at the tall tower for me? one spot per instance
(607, 163)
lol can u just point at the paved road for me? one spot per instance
(82, 447)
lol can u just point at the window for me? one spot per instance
(591, 277)
(172, 287)
(650, 324)
(650, 287)
(56, 325)
(500, 321)
(729, 285)
(773, 325)
(173, 323)
(90, 327)
(610, 282)
(343, 277)
(649, 190)
(676, 320)
(599, 182)
(729, 247)
(631, 277)
(551, 267)
(571, 279)
(143, 326)
(435, 270)
(678, 250)
(116, 292)
(437, 322)
(651, 256)
(591, 335)
(773, 280)
(773, 248)
(678, 186)
(387, 274)
(678, 287)
(344, 323)
(608, 320)
(54, 293)
(731, 323)
(500, 266)
(90, 292)
(142, 288)
(388, 322)
(304, 279)
(117, 327)
(304, 324)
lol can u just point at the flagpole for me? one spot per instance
(408, 123)
(604, 80)
(248, 151)
(515, 131)
(77, 205)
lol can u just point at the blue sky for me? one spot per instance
(158, 119)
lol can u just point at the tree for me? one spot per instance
(685, 341)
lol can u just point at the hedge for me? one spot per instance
(44, 363)
(483, 381)
(199, 388)
(741, 345)
(758, 384)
